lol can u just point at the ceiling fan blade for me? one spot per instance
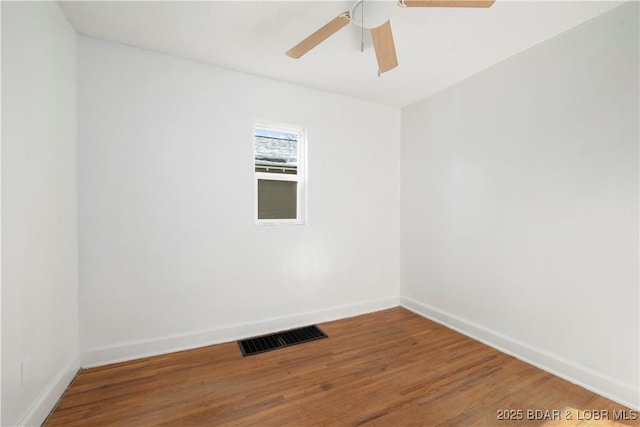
(385, 49)
(319, 36)
(447, 3)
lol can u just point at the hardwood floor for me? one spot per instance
(387, 368)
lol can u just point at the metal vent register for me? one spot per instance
(282, 339)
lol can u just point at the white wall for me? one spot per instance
(169, 253)
(519, 218)
(39, 210)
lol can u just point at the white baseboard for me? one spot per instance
(603, 385)
(105, 355)
(49, 397)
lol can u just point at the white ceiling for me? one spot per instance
(436, 47)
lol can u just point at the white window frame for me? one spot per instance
(300, 177)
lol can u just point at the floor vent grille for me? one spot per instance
(282, 339)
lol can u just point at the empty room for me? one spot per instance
(300, 213)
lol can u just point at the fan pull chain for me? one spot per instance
(362, 29)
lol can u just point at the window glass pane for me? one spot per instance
(277, 199)
(276, 152)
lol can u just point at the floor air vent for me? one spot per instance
(279, 340)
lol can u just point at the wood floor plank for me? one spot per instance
(387, 368)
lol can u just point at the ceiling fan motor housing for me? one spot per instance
(372, 13)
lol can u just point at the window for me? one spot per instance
(279, 174)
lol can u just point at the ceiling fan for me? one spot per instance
(374, 15)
